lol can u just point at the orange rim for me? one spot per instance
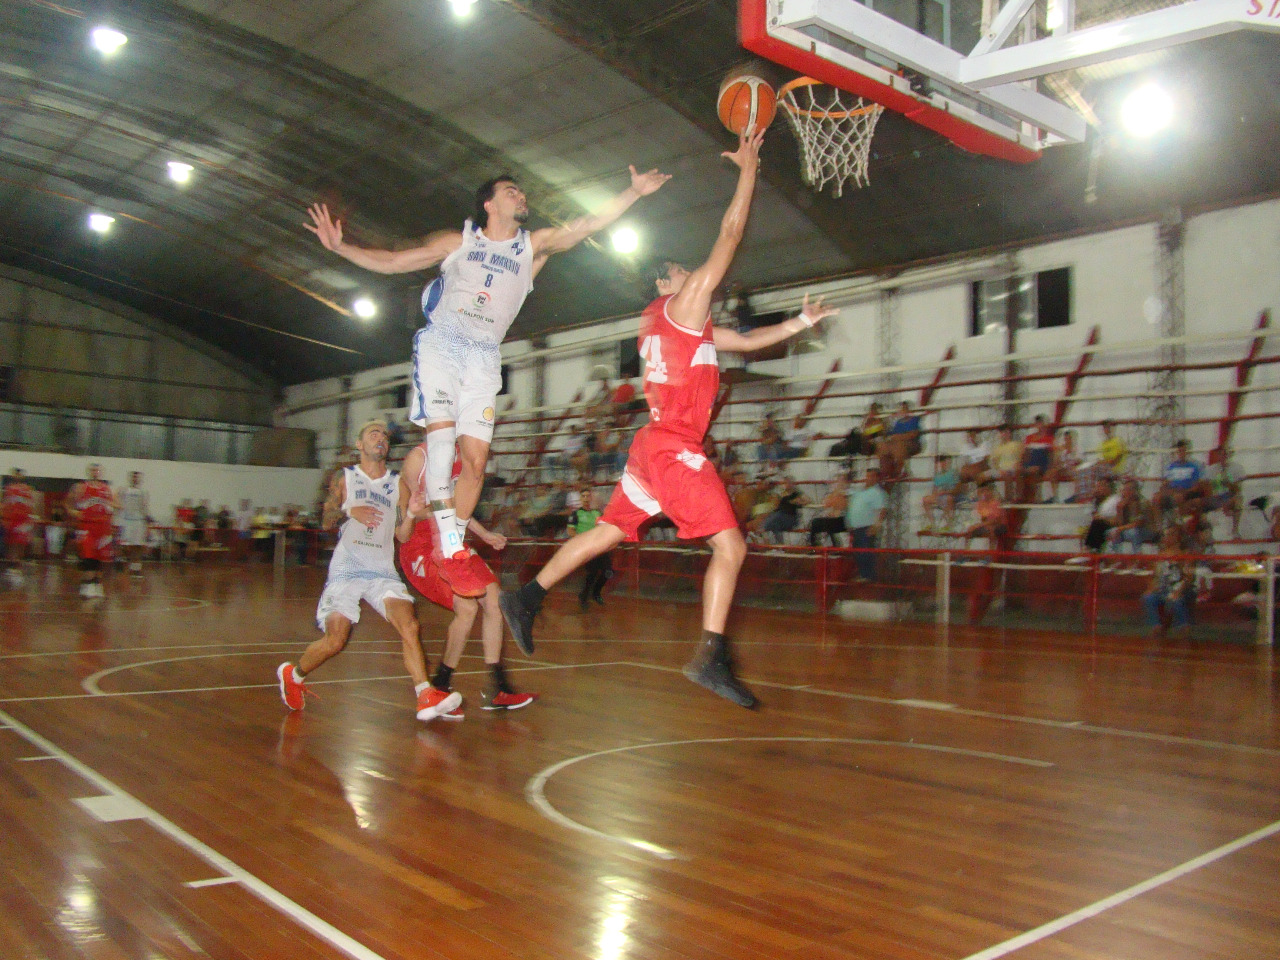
(798, 82)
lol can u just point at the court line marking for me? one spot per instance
(211, 882)
(34, 759)
(1094, 909)
(193, 603)
(535, 787)
(223, 864)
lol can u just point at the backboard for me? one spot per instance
(968, 69)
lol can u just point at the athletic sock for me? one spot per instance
(447, 524)
(443, 677)
(419, 687)
(499, 675)
(532, 595)
(297, 675)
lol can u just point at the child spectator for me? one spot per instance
(946, 482)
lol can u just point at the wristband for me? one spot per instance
(804, 318)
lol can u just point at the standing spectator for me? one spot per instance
(1037, 458)
(1169, 594)
(864, 519)
(902, 442)
(1065, 466)
(786, 513)
(992, 519)
(946, 482)
(1224, 479)
(55, 531)
(184, 524)
(1184, 490)
(831, 521)
(133, 523)
(1006, 463)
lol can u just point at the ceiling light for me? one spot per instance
(108, 40)
(625, 240)
(462, 8)
(365, 308)
(1146, 111)
(100, 222)
(180, 172)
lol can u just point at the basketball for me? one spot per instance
(746, 103)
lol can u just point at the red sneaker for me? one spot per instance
(509, 701)
(464, 576)
(292, 691)
(432, 703)
(455, 714)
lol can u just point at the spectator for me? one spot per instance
(797, 439)
(873, 426)
(864, 519)
(901, 443)
(184, 526)
(1037, 458)
(946, 481)
(1065, 466)
(1184, 490)
(244, 528)
(1169, 594)
(766, 501)
(831, 520)
(1225, 480)
(55, 530)
(848, 447)
(1135, 522)
(1113, 452)
(770, 444)
(743, 496)
(1006, 463)
(975, 458)
(786, 513)
(598, 570)
(1106, 510)
(992, 519)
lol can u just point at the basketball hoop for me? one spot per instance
(834, 128)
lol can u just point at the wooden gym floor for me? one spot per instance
(903, 794)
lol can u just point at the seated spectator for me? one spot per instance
(742, 493)
(786, 513)
(946, 481)
(849, 446)
(992, 518)
(1170, 592)
(864, 519)
(1006, 463)
(766, 501)
(975, 458)
(873, 427)
(1135, 522)
(607, 457)
(1037, 458)
(1184, 490)
(830, 520)
(1106, 510)
(797, 439)
(574, 457)
(1065, 466)
(1225, 480)
(902, 442)
(772, 448)
(1113, 452)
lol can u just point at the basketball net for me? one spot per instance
(834, 128)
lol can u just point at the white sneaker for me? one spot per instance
(86, 590)
(97, 590)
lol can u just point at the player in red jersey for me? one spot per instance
(667, 470)
(19, 513)
(420, 557)
(91, 505)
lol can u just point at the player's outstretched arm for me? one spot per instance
(495, 540)
(761, 337)
(689, 307)
(551, 240)
(433, 251)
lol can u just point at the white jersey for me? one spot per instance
(367, 553)
(481, 286)
(133, 505)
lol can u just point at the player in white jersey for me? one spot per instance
(363, 568)
(133, 522)
(486, 271)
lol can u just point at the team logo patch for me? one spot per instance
(693, 461)
(487, 414)
(481, 300)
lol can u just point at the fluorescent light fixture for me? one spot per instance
(1146, 111)
(180, 172)
(108, 40)
(625, 240)
(1054, 16)
(365, 308)
(100, 222)
(462, 8)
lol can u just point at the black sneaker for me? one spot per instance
(519, 620)
(717, 676)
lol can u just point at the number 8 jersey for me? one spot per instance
(681, 374)
(481, 286)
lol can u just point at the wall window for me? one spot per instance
(1044, 300)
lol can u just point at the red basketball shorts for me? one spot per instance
(418, 556)
(94, 541)
(670, 475)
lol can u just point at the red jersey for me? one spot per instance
(19, 503)
(681, 374)
(94, 502)
(1041, 439)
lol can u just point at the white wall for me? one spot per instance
(168, 482)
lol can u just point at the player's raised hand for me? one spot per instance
(324, 226)
(747, 156)
(647, 183)
(811, 313)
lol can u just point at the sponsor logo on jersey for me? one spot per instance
(693, 461)
(481, 300)
(487, 414)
